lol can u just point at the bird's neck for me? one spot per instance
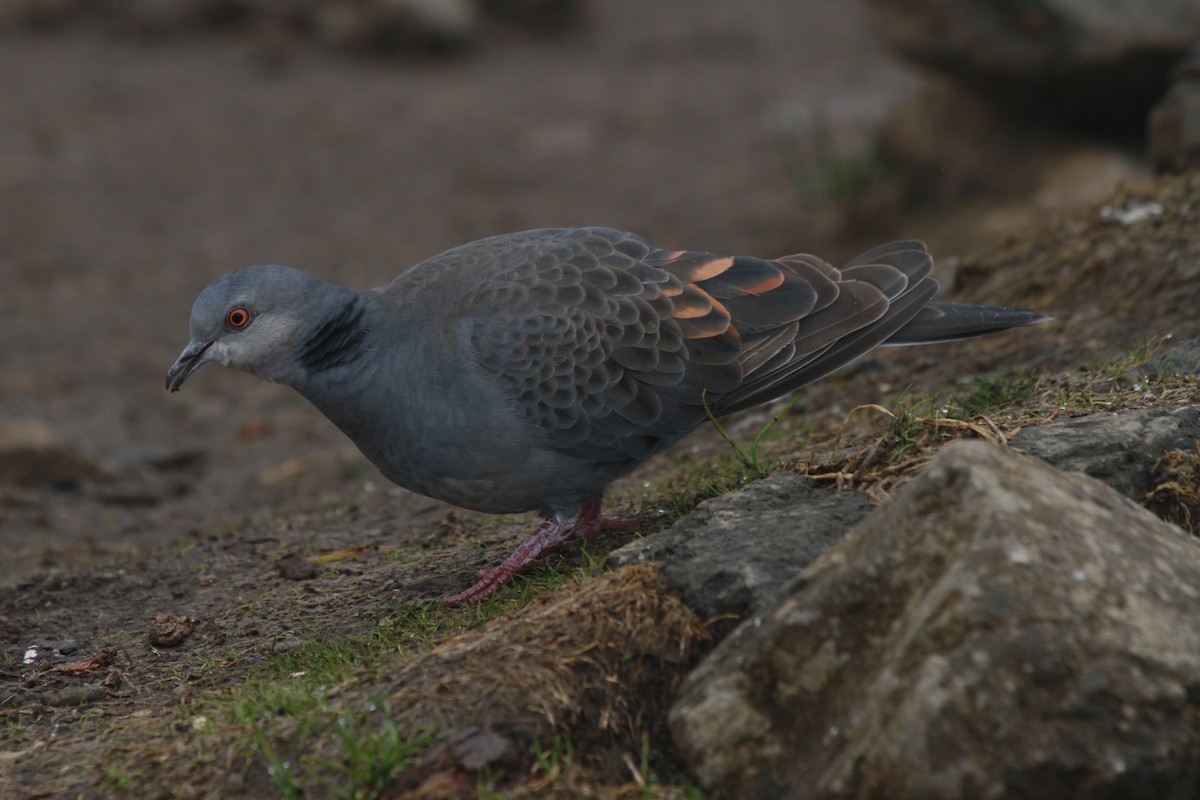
(336, 358)
(336, 338)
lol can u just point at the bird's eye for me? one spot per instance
(238, 318)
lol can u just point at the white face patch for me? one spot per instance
(265, 348)
(218, 353)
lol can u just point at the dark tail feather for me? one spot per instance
(843, 351)
(945, 322)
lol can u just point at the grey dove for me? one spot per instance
(528, 371)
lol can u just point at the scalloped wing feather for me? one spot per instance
(610, 347)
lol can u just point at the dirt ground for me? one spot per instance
(133, 173)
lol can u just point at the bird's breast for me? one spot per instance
(451, 434)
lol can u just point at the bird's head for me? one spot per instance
(250, 320)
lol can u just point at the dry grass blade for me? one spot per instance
(584, 660)
(1175, 491)
(878, 467)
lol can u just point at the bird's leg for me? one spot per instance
(549, 537)
(589, 522)
(491, 580)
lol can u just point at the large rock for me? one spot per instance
(380, 26)
(999, 629)
(949, 142)
(1063, 59)
(397, 25)
(1180, 358)
(1173, 130)
(1118, 449)
(734, 553)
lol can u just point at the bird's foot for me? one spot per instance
(549, 537)
(588, 523)
(489, 581)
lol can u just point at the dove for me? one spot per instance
(528, 371)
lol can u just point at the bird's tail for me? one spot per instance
(945, 322)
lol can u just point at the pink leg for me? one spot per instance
(588, 523)
(549, 537)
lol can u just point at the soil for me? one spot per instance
(133, 173)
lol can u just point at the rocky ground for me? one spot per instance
(213, 595)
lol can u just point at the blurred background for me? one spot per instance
(148, 146)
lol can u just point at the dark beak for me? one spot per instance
(190, 360)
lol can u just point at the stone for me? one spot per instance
(1181, 358)
(295, 567)
(1173, 130)
(36, 13)
(377, 26)
(1066, 60)
(156, 18)
(732, 554)
(998, 629)
(948, 142)
(541, 16)
(169, 630)
(471, 749)
(1119, 449)
(392, 25)
(33, 455)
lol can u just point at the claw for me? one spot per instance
(549, 537)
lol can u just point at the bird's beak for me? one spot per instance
(190, 360)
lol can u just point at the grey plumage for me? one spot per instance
(528, 371)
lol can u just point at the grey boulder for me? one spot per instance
(789, 521)
(998, 629)
(1119, 449)
(1076, 60)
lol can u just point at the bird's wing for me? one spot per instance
(878, 293)
(612, 347)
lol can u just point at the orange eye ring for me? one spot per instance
(238, 318)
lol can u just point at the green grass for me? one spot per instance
(554, 758)
(487, 782)
(652, 788)
(14, 733)
(693, 481)
(912, 417)
(121, 780)
(294, 714)
(908, 417)
(372, 750)
(825, 172)
(986, 396)
(1112, 383)
(289, 714)
(1105, 383)
(286, 711)
(369, 750)
(751, 457)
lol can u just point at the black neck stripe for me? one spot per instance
(336, 342)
